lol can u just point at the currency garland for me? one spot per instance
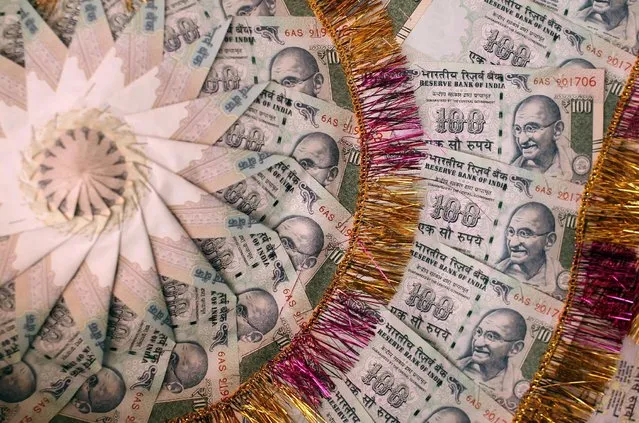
(127, 177)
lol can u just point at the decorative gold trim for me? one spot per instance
(388, 207)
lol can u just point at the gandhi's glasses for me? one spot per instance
(242, 312)
(308, 164)
(523, 233)
(531, 128)
(175, 386)
(247, 10)
(490, 336)
(292, 81)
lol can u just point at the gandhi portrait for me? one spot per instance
(318, 154)
(294, 67)
(447, 415)
(17, 382)
(101, 392)
(187, 367)
(303, 240)
(257, 314)
(538, 134)
(498, 337)
(529, 236)
(249, 7)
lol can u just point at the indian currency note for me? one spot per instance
(493, 327)
(213, 119)
(297, 52)
(69, 348)
(319, 135)
(272, 304)
(615, 20)
(11, 41)
(344, 405)
(139, 339)
(61, 16)
(177, 78)
(517, 221)
(402, 378)
(514, 115)
(204, 364)
(619, 403)
(517, 33)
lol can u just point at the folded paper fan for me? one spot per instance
(162, 239)
(124, 232)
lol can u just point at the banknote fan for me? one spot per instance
(146, 270)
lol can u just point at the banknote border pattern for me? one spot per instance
(388, 206)
(601, 307)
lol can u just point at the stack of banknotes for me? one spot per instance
(239, 205)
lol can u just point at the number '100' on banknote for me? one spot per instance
(402, 378)
(547, 120)
(493, 327)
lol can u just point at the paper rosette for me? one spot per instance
(118, 213)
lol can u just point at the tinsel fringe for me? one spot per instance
(388, 207)
(583, 354)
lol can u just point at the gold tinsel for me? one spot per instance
(387, 211)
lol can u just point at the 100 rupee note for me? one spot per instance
(498, 112)
(296, 52)
(467, 311)
(402, 378)
(516, 33)
(519, 222)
